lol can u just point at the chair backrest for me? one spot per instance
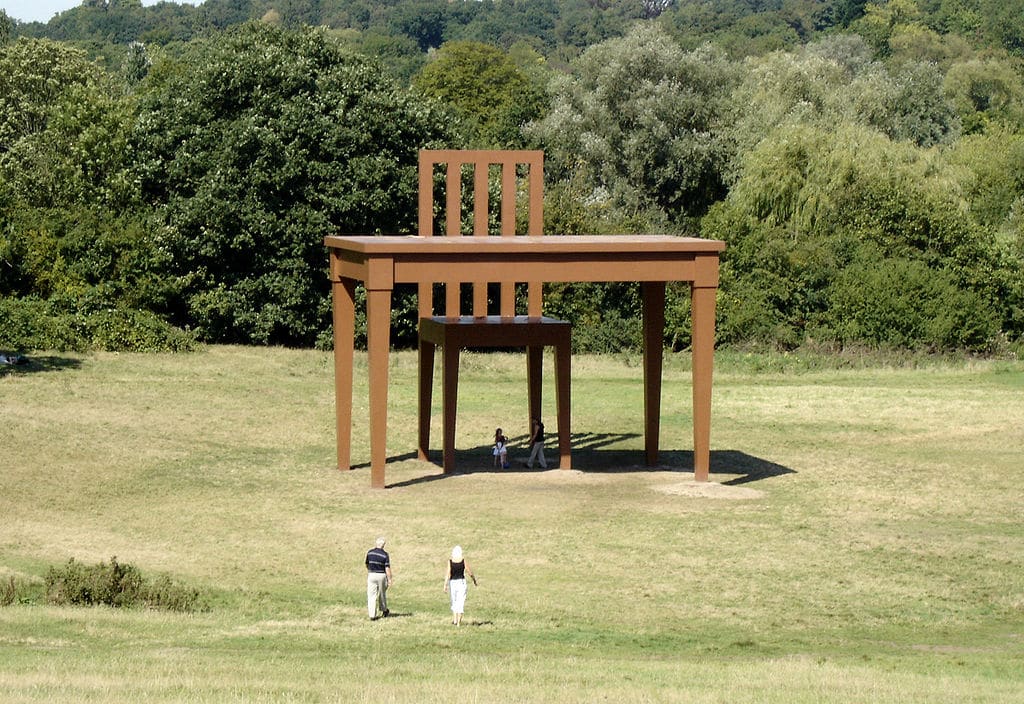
(476, 165)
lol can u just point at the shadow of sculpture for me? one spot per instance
(598, 453)
(748, 467)
(393, 458)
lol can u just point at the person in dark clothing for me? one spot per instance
(378, 579)
(537, 444)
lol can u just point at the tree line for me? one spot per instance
(865, 166)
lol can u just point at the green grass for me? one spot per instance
(860, 541)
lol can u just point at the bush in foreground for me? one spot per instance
(116, 584)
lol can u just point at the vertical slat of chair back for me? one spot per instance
(453, 228)
(507, 303)
(481, 226)
(480, 161)
(425, 292)
(535, 228)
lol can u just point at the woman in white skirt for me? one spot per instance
(455, 583)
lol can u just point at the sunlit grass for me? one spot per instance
(861, 540)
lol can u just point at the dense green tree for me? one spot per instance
(423, 20)
(884, 18)
(221, 14)
(857, 212)
(254, 146)
(116, 22)
(903, 303)
(793, 88)
(752, 27)
(485, 88)
(906, 102)
(847, 11)
(34, 75)
(6, 28)
(561, 28)
(81, 157)
(993, 23)
(401, 55)
(63, 130)
(167, 23)
(579, 25)
(917, 43)
(136, 63)
(1004, 24)
(504, 23)
(78, 264)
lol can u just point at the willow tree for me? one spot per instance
(844, 235)
(641, 121)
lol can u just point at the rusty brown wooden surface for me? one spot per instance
(494, 212)
(380, 262)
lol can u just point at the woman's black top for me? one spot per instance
(458, 569)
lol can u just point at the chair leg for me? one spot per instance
(449, 399)
(654, 327)
(343, 298)
(426, 392)
(378, 342)
(534, 375)
(703, 361)
(563, 368)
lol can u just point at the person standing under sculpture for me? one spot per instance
(378, 579)
(500, 450)
(537, 444)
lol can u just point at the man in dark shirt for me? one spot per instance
(378, 579)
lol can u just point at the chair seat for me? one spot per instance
(494, 331)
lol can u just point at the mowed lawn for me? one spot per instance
(861, 539)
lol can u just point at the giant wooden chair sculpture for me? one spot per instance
(453, 330)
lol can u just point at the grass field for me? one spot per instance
(861, 539)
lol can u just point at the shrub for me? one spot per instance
(116, 584)
(610, 334)
(29, 323)
(8, 592)
(19, 590)
(904, 303)
(122, 330)
(605, 316)
(111, 584)
(165, 594)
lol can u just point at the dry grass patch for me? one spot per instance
(860, 541)
(710, 490)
